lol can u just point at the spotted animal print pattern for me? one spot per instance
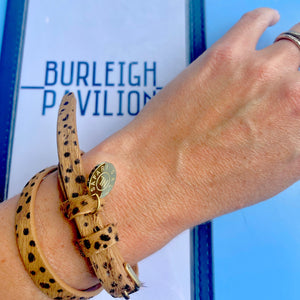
(34, 261)
(100, 240)
(80, 205)
(103, 254)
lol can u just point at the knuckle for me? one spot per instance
(223, 54)
(264, 71)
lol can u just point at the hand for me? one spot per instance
(223, 135)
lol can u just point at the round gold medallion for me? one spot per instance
(102, 179)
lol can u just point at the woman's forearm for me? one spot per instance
(144, 224)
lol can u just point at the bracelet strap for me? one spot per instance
(99, 241)
(33, 258)
(116, 276)
(80, 205)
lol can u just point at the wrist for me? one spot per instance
(57, 235)
(140, 201)
(146, 220)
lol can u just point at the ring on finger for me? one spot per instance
(292, 36)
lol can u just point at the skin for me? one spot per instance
(222, 136)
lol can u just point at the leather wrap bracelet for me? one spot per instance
(31, 254)
(97, 239)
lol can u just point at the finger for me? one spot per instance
(247, 31)
(288, 51)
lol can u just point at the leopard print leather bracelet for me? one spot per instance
(97, 240)
(33, 258)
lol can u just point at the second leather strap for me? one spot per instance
(108, 264)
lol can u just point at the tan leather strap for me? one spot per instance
(99, 241)
(80, 205)
(114, 274)
(30, 251)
